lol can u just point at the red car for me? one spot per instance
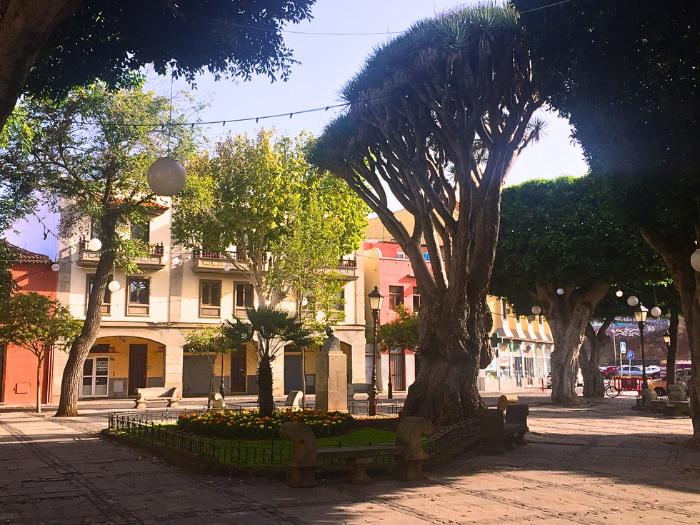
(609, 371)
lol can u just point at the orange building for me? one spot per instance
(31, 272)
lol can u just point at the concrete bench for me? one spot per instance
(360, 458)
(408, 449)
(157, 393)
(504, 429)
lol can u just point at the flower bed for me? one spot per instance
(249, 425)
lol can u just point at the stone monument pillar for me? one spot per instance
(331, 376)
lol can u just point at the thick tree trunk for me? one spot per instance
(38, 386)
(593, 386)
(676, 252)
(568, 316)
(25, 27)
(72, 374)
(589, 360)
(672, 347)
(451, 348)
(266, 403)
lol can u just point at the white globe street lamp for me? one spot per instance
(619, 293)
(94, 245)
(695, 260)
(655, 312)
(633, 300)
(536, 310)
(560, 291)
(166, 177)
(55, 267)
(114, 286)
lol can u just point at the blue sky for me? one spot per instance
(326, 63)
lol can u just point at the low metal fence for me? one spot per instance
(150, 428)
(453, 439)
(361, 407)
(234, 452)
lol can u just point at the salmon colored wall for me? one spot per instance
(19, 383)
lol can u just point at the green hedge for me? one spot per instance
(249, 425)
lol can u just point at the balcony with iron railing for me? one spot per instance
(152, 260)
(218, 262)
(347, 268)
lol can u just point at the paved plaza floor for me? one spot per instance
(602, 464)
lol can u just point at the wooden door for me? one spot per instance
(137, 367)
(238, 370)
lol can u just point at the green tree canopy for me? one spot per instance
(82, 160)
(561, 235)
(437, 117)
(40, 325)
(65, 43)
(625, 74)
(284, 223)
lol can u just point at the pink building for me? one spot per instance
(388, 267)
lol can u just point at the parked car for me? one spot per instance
(608, 371)
(653, 371)
(627, 370)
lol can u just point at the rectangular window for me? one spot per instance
(209, 298)
(416, 299)
(141, 232)
(400, 255)
(244, 295)
(395, 296)
(138, 295)
(106, 302)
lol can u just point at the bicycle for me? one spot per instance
(611, 390)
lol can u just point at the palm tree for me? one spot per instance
(271, 329)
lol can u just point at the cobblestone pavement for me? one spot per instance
(603, 464)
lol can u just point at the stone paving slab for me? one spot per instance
(602, 464)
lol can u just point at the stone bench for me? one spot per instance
(157, 393)
(503, 429)
(360, 458)
(408, 449)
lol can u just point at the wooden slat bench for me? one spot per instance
(157, 393)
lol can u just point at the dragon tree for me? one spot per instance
(437, 117)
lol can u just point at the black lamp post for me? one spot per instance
(640, 315)
(375, 304)
(222, 386)
(667, 339)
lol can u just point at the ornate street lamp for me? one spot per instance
(640, 315)
(375, 304)
(667, 339)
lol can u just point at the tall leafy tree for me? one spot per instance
(49, 47)
(561, 249)
(89, 166)
(437, 117)
(625, 74)
(271, 329)
(282, 222)
(40, 325)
